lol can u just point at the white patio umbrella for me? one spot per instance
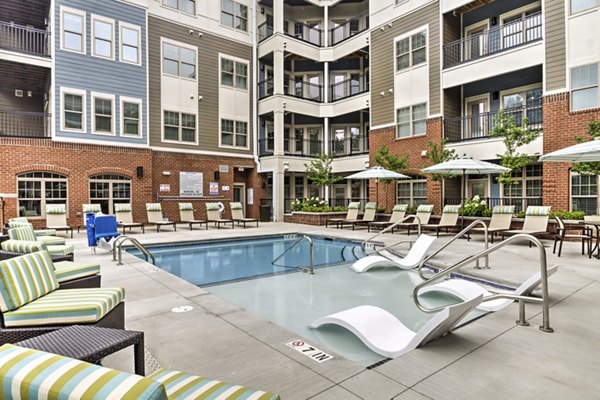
(465, 166)
(581, 152)
(377, 172)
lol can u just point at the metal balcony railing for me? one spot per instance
(304, 32)
(350, 87)
(266, 146)
(350, 146)
(24, 124)
(264, 31)
(353, 26)
(306, 90)
(479, 126)
(265, 88)
(302, 147)
(24, 39)
(520, 203)
(513, 34)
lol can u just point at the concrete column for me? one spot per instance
(278, 193)
(326, 148)
(326, 82)
(278, 72)
(278, 126)
(278, 16)
(326, 26)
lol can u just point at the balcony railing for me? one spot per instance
(479, 126)
(265, 88)
(264, 31)
(350, 87)
(306, 90)
(513, 34)
(520, 203)
(24, 39)
(291, 147)
(304, 32)
(266, 146)
(348, 29)
(350, 146)
(24, 124)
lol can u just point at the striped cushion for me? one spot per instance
(56, 209)
(24, 279)
(186, 207)
(153, 207)
(22, 233)
(91, 208)
(425, 208)
(235, 206)
(354, 205)
(22, 246)
(34, 374)
(50, 240)
(371, 206)
(180, 385)
(16, 220)
(60, 249)
(123, 207)
(448, 209)
(400, 207)
(66, 306)
(69, 270)
(212, 206)
(45, 232)
(503, 210)
(538, 210)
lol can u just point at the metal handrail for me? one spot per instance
(118, 245)
(545, 327)
(391, 227)
(311, 256)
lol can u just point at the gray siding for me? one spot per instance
(209, 47)
(85, 72)
(382, 62)
(556, 56)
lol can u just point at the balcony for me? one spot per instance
(348, 29)
(298, 147)
(24, 124)
(24, 39)
(349, 87)
(479, 126)
(350, 146)
(305, 32)
(265, 88)
(511, 35)
(264, 31)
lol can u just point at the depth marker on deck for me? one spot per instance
(309, 351)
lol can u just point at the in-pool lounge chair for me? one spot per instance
(155, 217)
(214, 215)
(26, 232)
(186, 216)
(56, 218)
(385, 258)
(124, 218)
(501, 219)
(237, 215)
(351, 215)
(23, 221)
(423, 214)
(536, 222)
(368, 216)
(398, 213)
(448, 220)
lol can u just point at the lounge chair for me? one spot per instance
(501, 220)
(27, 233)
(581, 232)
(124, 218)
(423, 214)
(351, 215)
(23, 221)
(448, 220)
(368, 216)
(466, 289)
(56, 218)
(62, 251)
(385, 258)
(398, 213)
(593, 222)
(214, 215)
(237, 214)
(63, 377)
(536, 222)
(89, 209)
(186, 216)
(386, 335)
(33, 305)
(155, 217)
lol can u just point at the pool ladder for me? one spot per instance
(118, 249)
(311, 255)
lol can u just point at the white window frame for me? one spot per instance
(523, 180)
(583, 9)
(580, 196)
(77, 92)
(178, 8)
(411, 121)
(235, 133)
(235, 60)
(132, 100)
(68, 10)
(111, 184)
(43, 199)
(234, 16)
(179, 141)
(103, 96)
(411, 182)
(597, 86)
(409, 35)
(139, 45)
(109, 21)
(164, 41)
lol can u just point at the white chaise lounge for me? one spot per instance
(463, 289)
(386, 335)
(385, 258)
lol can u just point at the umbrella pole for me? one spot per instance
(376, 192)
(463, 190)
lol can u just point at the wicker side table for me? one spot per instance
(90, 343)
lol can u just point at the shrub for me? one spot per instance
(474, 207)
(576, 215)
(314, 204)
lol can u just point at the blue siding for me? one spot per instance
(92, 74)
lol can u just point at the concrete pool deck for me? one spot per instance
(490, 358)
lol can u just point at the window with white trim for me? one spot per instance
(37, 189)
(234, 15)
(412, 192)
(527, 189)
(187, 6)
(73, 30)
(179, 61)
(103, 33)
(108, 190)
(234, 133)
(234, 73)
(131, 43)
(411, 51)
(179, 127)
(584, 87)
(584, 193)
(73, 110)
(103, 121)
(131, 117)
(411, 121)
(582, 5)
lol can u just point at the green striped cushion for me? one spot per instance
(153, 207)
(45, 232)
(34, 374)
(24, 279)
(22, 233)
(425, 208)
(371, 206)
(400, 207)
(91, 208)
(212, 206)
(16, 224)
(503, 210)
(66, 306)
(451, 209)
(354, 205)
(186, 207)
(60, 249)
(22, 246)
(56, 209)
(69, 270)
(235, 206)
(123, 207)
(50, 240)
(22, 220)
(538, 210)
(180, 385)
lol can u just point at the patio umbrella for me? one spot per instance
(582, 152)
(465, 166)
(377, 172)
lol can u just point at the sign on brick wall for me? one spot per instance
(190, 184)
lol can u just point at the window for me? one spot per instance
(234, 73)
(187, 6)
(584, 193)
(73, 110)
(411, 121)
(234, 15)
(131, 110)
(411, 51)
(130, 43)
(584, 87)
(234, 133)
(73, 30)
(179, 127)
(103, 120)
(103, 32)
(412, 192)
(35, 190)
(108, 190)
(582, 5)
(527, 191)
(179, 61)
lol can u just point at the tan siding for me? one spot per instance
(382, 62)
(209, 47)
(556, 57)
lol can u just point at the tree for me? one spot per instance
(320, 171)
(439, 154)
(589, 168)
(391, 162)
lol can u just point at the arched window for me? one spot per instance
(109, 189)
(36, 189)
